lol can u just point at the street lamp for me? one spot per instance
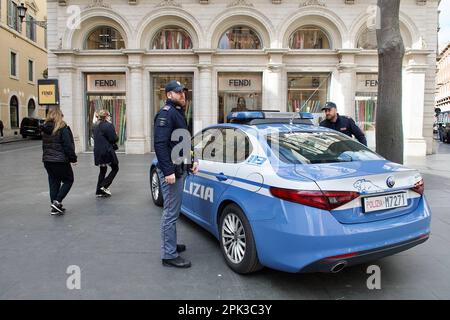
(22, 11)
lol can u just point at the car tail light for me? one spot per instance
(419, 187)
(325, 200)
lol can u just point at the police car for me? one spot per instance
(280, 192)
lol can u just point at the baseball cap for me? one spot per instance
(174, 85)
(329, 105)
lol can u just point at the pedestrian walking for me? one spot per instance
(105, 146)
(172, 173)
(58, 152)
(343, 124)
(1, 129)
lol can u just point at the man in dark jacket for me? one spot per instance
(58, 153)
(171, 175)
(105, 139)
(343, 124)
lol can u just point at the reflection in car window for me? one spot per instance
(318, 147)
(237, 146)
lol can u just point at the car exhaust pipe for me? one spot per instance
(338, 266)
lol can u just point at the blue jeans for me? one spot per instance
(172, 195)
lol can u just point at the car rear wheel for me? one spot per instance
(155, 188)
(237, 242)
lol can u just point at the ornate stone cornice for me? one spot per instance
(168, 3)
(308, 3)
(240, 3)
(98, 4)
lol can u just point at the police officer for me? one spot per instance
(171, 173)
(340, 123)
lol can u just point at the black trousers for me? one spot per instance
(60, 179)
(1, 132)
(106, 182)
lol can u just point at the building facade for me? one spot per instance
(23, 59)
(443, 80)
(234, 54)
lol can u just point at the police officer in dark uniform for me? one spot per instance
(171, 172)
(343, 124)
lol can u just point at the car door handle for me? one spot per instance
(221, 177)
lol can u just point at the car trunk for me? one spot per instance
(369, 179)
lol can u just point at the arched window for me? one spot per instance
(14, 112)
(309, 37)
(240, 37)
(367, 40)
(172, 38)
(31, 108)
(104, 38)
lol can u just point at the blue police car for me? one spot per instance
(280, 192)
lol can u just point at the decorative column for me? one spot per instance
(414, 102)
(345, 86)
(274, 98)
(204, 114)
(135, 142)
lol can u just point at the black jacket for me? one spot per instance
(168, 119)
(347, 126)
(105, 138)
(58, 147)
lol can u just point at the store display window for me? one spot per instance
(238, 92)
(174, 38)
(309, 37)
(240, 37)
(308, 92)
(159, 81)
(366, 106)
(106, 92)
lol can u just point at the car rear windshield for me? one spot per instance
(318, 147)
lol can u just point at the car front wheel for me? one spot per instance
(237, 242)
(155, 188)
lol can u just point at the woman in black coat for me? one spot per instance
(105, 144)
(58, 153)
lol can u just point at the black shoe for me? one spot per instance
(181, 247)
(57, 206)
(178, 262)
(101, 194)
(55, 212)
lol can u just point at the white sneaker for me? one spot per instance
(106, 190)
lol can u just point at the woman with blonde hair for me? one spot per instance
(58, 153)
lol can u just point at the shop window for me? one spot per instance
(308, 92)
(240, 37)
(238, 92)
(366, 105)
(309, 37)
(31, 108)
(159, 81)
(106, 92)
(105, 38)
(14, 112)
(172, 38)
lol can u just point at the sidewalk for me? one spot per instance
(12, 139)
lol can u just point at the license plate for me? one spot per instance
(385, 202)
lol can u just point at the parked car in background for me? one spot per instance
(31, 127)
(443, 126)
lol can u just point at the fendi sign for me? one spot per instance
(106, 83)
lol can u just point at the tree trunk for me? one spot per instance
(389, 127)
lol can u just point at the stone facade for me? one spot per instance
(206, 21)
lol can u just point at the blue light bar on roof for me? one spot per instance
(251, 115)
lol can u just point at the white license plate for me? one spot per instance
(387, 201)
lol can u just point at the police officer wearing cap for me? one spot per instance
(171, 175)
(343, 124)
